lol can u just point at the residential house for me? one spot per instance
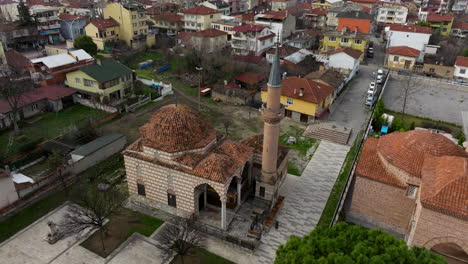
(14, 36)
(461, 67)
(106, 81)
(436, 68)
(441, 22)
(133, 27)
(200, 18)
(329, 77)
(370, 4)
(333, 40)
(280, 22)
(333, 11)
(283, 51)
(252, 4)
(78, 9)
(401, 58)
(460, 6)
(46, 98)
(16, 59)
(413, 185)
(168, 22)
(226, 25)
(47, 18)
(251, 39)
(304, 39)
(103, 31)
(279, 5)
(326, 4)
(415, 37)
(53, 69)
(392, 14)
(219, 5)
(300, 63)
(304, 100)
(250, 80)
(356, 21)
(460, 29)
(315, 18)
(54, 49)
(72, 26)
(9, 11)
(209, 40)
(345, 60)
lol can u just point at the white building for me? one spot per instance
(460, 6)
(412, 36)
(219, 5)
(278, 5)
(9, 10)
(8, 193)
(332, 12)
(392, 14)
(280, 22)
(461, 67)
(345, 60)
(251, 39)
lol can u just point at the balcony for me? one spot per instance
(47, 27)
(348, 44)
(46, 19)
(239, 36)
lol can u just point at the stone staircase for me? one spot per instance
(328, 131)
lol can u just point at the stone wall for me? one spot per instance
(377, 205)
(434, 228)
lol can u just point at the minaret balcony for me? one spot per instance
(270, 115)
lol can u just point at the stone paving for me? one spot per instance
(306, 197)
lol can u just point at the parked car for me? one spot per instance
(380, 72)
(370, 100)
(404, 72)
(380, 79)
(370, 54)
(371, 89)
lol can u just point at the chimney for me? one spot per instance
(301, 92)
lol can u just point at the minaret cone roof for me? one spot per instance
(275, 72)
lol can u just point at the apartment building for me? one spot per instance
(200, 18)
(392, 14)
(251, 39)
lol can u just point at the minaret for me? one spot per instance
(272, 114)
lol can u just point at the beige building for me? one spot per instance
(402, 58)
(413, 185)
(439, 70)
(210, 40)
(200, 18)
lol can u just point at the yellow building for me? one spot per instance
(304, 99)
(200, 18)
(442, 22)
(102, 31)
(333, 40)
(2, 55)
(323, 4)
(402, 58)
(133, 27)
(107, 81)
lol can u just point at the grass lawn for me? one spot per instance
(143, 56)
(50, 125)
(303, 144)
(201, 256)
(292, 169)
(120, 228)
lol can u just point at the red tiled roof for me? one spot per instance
(209, 33)
(269, 36)
(314, 92)
(351, 52)
(251, 78)
(433, 17)
(316, 11)
(406, 150)
(284, 50)
(364, 1)
(248, 28)
(70, 17)
(460, 25)
(403, 51)
(52, 92)
(200, 10)
(175, 128)
(444, 186)
(41, 3)
(7, 2)
(281, 15)
(102, 24)
(16, 59)
(168, 16)
(236, 150)
(411, 28)
(462, 61)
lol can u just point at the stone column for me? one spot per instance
(239, 190)
(223, 213)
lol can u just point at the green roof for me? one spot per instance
(96, 144)
(107, 70)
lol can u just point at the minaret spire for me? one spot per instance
(275, 73)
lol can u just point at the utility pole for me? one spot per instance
(199, 69)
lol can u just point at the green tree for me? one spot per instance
(345, 243)
(86, 43)
(465, 53)
(423, 24)
(377, 120)
(24, 15)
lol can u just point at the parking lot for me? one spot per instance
(432, 100)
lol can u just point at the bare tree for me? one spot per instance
(93, 209)
(59, 163)
(410, 88)
(181, 236)
(13, 89)
(227, 122)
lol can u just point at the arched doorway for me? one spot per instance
(206, 197)
(453, 253)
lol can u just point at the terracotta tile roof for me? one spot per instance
(41, 3)
(251, 78)
(433, 17)
(364, 1)
(209, 33)
(444, 186)
(317, 11)
(284, 50)
(269, 36)
(351, 52)
(460, 25)
(239, 151)
(256, 143)
(462, 61)
(248, 28)
(280, 15)
(16, 59)
(411, 28)
(177, 128)
(403, 51)
(216, 167)
(200, 10)
(406, 150)
(102, 24)
(330, 77)
(70, 17)
(168, 16)
(314, 92)
(370, 166)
